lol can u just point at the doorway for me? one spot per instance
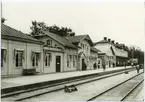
(84, 67)
(58, 63)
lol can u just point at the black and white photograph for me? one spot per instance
(75, 50)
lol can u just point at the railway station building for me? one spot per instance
(45, 53)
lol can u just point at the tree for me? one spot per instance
(135, 52)
(39, 27)
(3, 20)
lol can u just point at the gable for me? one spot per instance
(77, 39)
(54, 42)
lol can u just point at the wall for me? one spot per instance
(35, 48)
(84, 50)
(92, 61)
(52, 67)
(70, 52)
(4, 69)
(9, 67)
(54, 42)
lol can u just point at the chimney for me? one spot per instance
(109, 40)
(112, 41)
(116, 42)
(105, 38)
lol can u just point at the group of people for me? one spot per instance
(95, 66)
(84, 66)
(138, 67)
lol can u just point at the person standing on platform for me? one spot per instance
(124, 64)
(95, 65)
(84, 66)
(104, 67)
(137, 68)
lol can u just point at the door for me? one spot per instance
(58, 63)
(84, 67)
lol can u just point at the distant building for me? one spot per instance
(115, 54)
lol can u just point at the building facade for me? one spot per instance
(45, 53)
(116, 54)
(87, 54)
(18, 52)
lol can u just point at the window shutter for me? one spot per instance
(50, 57)
(4, 54)
(39, 56)
(67, 57)
(15, 52)
(32, 55)
(23, 55)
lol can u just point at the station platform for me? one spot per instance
(15, 82)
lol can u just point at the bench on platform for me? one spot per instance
(31, 71)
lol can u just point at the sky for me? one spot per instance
(119, 21)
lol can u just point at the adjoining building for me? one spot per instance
(19, 51)
(86, 52)
(107, 50)
(59, 54)
(116, 54)
(121, 54)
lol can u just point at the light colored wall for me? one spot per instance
(10, 67)
(105, 48)
(93, 61)
(69, 52)
(52, 67)
(4, 69)
(54, 42)
(35, 48)
(87, 53)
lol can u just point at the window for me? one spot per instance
(35, 59)
(2, 58)
(47, 59)
(68, 60)
(49, 42)
(74, 60)
(98, 61)
(19, 59)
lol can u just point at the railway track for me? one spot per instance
(22, 95)
(108, 93)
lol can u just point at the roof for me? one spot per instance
(13, 34)
(101, 53)
(64, 41)
(102, 41)
(78, 38)
(93, 49)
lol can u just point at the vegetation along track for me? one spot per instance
(132, 83)
(22, 95)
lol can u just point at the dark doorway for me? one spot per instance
(58, 63)
(84, 66)
(109, 63)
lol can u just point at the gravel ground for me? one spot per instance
(85, 91)
(119, 92)
(137, 94)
